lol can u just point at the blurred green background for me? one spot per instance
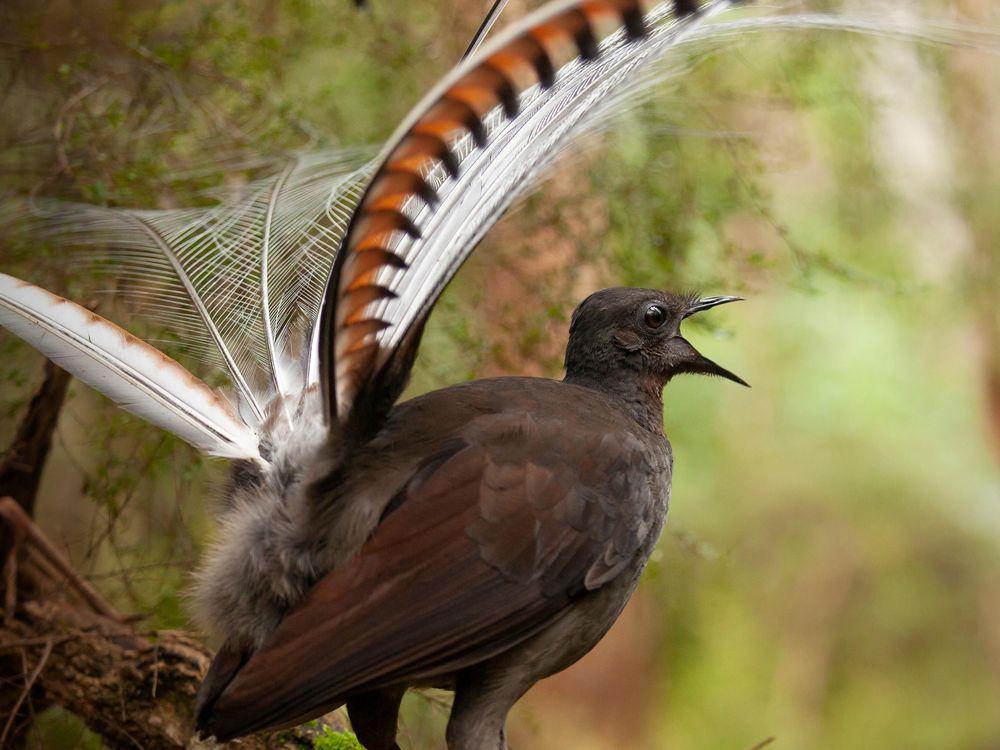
(830, 576)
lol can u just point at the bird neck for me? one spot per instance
(639, 394)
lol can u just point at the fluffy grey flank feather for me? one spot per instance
(265, 560)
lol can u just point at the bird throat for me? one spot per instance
(639, 394)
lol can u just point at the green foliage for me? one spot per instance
(333, 740)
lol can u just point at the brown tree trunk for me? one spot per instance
(132, 689)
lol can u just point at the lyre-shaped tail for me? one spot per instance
(242, 282)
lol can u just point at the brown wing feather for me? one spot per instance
(482, 554)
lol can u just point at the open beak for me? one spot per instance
(700, 364)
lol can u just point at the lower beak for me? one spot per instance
(705, 366)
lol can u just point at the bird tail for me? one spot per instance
(325, 270)
(471, 148)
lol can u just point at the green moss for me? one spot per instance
(58, 729)
(334, 740)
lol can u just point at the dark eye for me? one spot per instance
(655, 316)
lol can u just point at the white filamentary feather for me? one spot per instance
(133, 374)
(240, 282)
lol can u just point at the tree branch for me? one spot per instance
(21, 468)
(135, 689)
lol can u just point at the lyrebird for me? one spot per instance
(479, 537)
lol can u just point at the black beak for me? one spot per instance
(703, 365)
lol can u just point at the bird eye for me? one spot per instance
(655, 316)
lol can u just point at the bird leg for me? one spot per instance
(479, 714)
(374, 716)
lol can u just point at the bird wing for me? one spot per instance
(491, 542)
(475, 144)
(136, 376)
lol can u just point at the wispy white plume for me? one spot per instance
(239, 282)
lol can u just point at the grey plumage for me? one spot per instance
(276, 535)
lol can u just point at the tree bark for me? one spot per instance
(21, 469)
(134, 690)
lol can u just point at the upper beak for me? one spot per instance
(706, 303)
(701, 363)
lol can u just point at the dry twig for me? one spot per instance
(42, 660)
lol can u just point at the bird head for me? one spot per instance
(639, 330)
